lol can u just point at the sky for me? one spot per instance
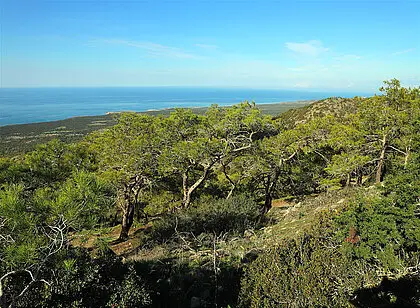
(303, 45)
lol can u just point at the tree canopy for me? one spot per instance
(201, 200)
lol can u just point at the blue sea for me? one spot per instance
(28, 105)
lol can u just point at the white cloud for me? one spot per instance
(207, 46)
(401, 52)
(154, 49)
(312, 48)
(349, 57)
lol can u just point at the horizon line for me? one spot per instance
(308, 90)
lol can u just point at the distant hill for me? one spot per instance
(336, 106)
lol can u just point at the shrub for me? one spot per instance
(303, 273)
(232, 216)
(78, 280)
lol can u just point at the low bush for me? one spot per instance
(78, 280)
(177, 284)
(232, 216)
(306, 272)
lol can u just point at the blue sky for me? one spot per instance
(313, 45)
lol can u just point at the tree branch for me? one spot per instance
(396, 149)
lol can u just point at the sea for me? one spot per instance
(30, 105)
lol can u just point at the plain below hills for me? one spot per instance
(20, 138)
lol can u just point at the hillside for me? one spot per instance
(286, 220)
(221, 207)
(335, 106)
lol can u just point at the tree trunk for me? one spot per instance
(268, 203)
(381, 161)
(233, 185)
(185, 197)
(359, 178)
(186, 200)
(127, 222)
(269, 189)
(348, 181)
(128, 213)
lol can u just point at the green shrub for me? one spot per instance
(78, 280)
(131, 292)
(232, 216)
(386, 231)
(365, 254)
(306, 272)
(174, 283)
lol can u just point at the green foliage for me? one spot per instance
(33, 230)
(131, 292)
(378, 137)
(78, 280)
(237, 121)
(161, 202)
(26, 218)
(128, 148)
(342, 165)
(19, 242)
(207, 170)
(306, 272)
(404, 185)
(387, 226)
(55, 160)
(233, 216)
(179, 283)
(378, 231)
(14, 171)
(84, 201)
(340, 261)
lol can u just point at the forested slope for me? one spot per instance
(230, 208)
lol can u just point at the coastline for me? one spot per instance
(265, 107)
(16, 138)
